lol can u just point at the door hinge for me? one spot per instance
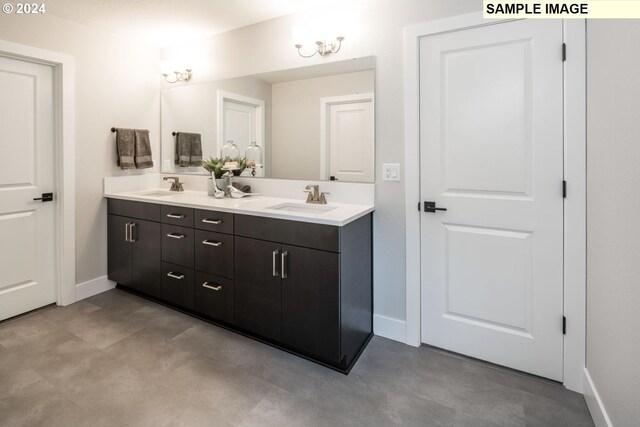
(564, 325)
(564, 189)
(564, 52)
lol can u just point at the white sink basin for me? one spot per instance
(301, 208)
(160, 193)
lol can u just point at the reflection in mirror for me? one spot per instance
(309, 123)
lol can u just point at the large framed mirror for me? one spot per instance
(308, 123)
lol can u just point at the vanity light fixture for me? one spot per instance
(179, 76)
(323, 48)
(323, 45)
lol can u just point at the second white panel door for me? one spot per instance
(492, 154)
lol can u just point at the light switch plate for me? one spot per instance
(391, 172)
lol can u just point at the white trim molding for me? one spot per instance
(575, 174)
(65, 157)
(93, 287)
(388, 327)
(325, 103)
(260, 120)
(594, 403)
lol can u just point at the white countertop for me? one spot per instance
(343, 213)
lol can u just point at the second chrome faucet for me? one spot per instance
(315, 196)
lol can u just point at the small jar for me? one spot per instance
(253, 154)
(230, 150)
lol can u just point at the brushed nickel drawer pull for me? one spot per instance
(211, 243)
(175, 216)
(177, 276)
(212, 221)
(175, 236)
(132, 236)
(283, 268)
(275, 264)
(208, 286)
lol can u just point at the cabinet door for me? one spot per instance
(177, 245)
(257, 293)
(146, 275)
(214, 253)
(177, 285)
(119, 250)
(310, 302)
(214, 296)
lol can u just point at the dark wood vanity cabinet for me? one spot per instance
(304, 287)
(307, 286)
(134, 247)
(289, 294)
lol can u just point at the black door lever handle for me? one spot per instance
(431, 207)
(46, 197)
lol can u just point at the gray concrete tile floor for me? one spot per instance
(119, 360)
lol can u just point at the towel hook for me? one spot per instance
(174, 133)
(113, 129)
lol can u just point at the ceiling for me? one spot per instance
(168, 22)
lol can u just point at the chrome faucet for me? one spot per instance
(315, 196)
(176, 185)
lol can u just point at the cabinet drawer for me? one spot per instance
(177, 245)
(214, 296)
(177, 215)
(221, 222)
(177, 285)
(214, 253)
(315, 236)
(140, 210)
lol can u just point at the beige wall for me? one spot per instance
(117, 84)
(296, 120)
(613, 216)
(376, 27)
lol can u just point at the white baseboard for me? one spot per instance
(594, 403)
(389, 327)
(93, 287)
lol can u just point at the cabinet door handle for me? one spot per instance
(275, 263)
(212, 221)
(177, 276)
(132, 225)
(175, 236)
(283, 262)
(211, 243)
(176, 216)
(208, 286)
(126, 232)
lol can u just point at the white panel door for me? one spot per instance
(26, 226)
(239, 124)
(491, 144)
(351, 144)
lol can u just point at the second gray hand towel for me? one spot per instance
(188, 149)
(125, 147)
(143, 156)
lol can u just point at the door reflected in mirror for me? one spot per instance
(310, 123)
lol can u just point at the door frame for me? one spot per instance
(574, 87)
(64, 160)
(325, 103)
(260, 120)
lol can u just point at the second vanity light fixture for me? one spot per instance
(323, 45)
(180, 76)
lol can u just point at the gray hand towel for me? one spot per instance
(196, 150)
(143, 157)
(188, 149)
(125, 147)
